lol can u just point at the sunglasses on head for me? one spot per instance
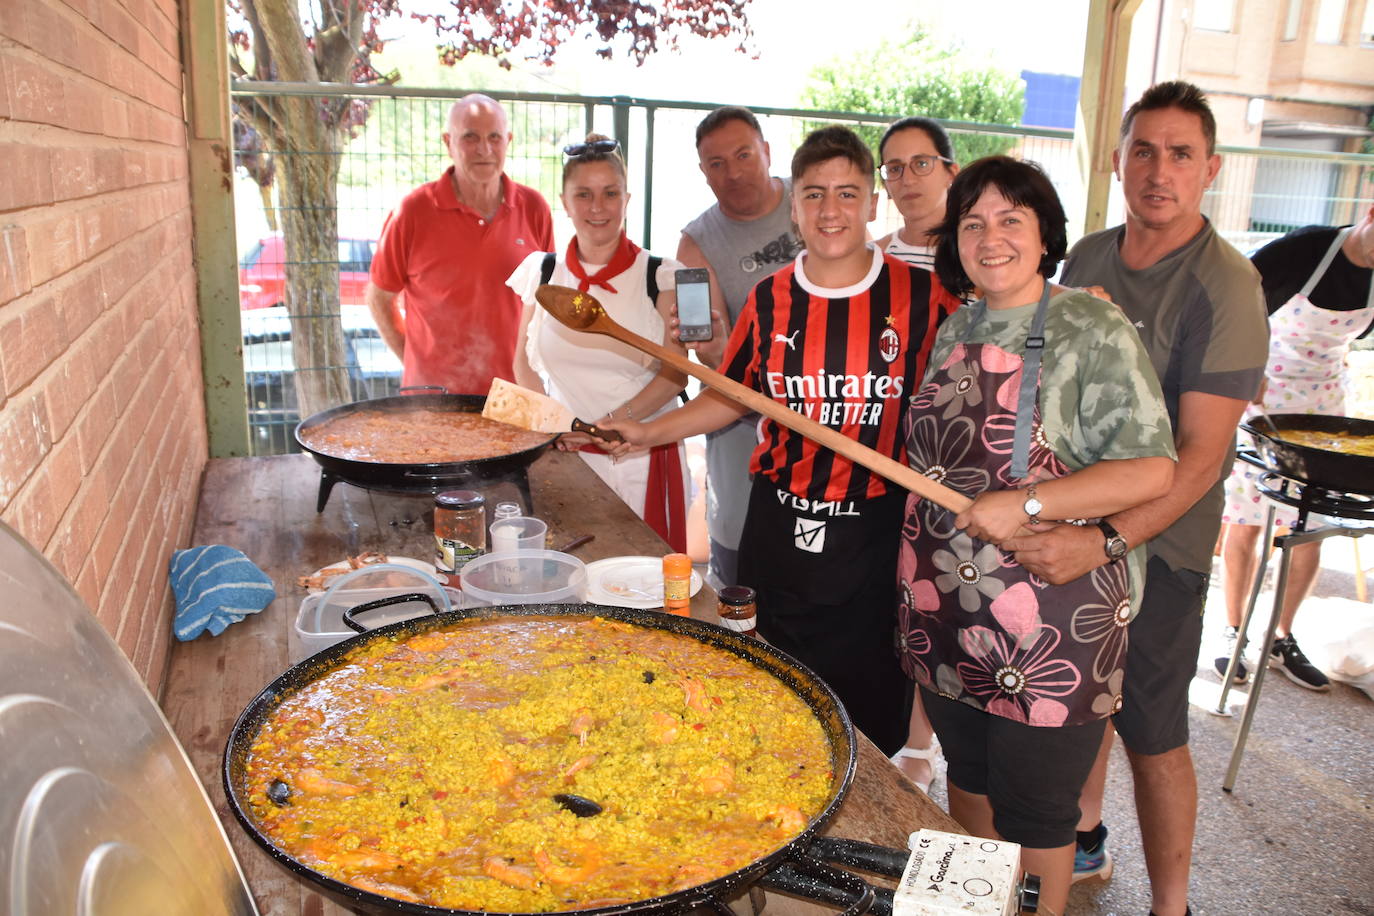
(573, 150)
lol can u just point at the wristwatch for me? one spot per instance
(1116, 545)
(1032, 506)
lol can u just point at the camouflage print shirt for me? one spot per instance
(1100, 398)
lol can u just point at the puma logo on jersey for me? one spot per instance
(789, 339)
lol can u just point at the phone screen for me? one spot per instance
(693, 305)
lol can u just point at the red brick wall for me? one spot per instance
(102, 425)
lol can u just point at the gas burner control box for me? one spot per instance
(953, 875)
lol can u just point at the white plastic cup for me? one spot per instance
(519, 533)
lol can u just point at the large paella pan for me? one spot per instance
(554, 870)
(420, 475)
(1329, 451)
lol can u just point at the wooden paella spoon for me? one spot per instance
(581, 312)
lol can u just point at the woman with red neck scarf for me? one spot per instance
(596, 377)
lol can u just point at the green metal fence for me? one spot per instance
(1260, 194)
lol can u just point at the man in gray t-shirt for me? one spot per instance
(1197, 304)
(741, 239)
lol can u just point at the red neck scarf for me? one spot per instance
(621, 261)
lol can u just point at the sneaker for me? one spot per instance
(1222, 662)
(1092, 864)
(1289, 659)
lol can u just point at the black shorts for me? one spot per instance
(1161, 660)
(1031, 775)
(826, 577)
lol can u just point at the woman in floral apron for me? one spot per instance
(1040, 404)
(1310, 332)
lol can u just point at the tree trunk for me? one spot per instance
(310, 226)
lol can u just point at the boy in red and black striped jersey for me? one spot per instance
(842, 336)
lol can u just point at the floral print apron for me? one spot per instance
(973, 625)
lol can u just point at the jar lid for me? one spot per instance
(459, 499)
(677, 564)
(737, 595)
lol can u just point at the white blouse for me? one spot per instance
(593, 374)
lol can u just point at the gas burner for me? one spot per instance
(1309, 498)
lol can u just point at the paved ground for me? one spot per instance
(1294, 835)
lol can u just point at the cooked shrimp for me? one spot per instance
(502, 771)
(427, 642)
(662, 727)
(719, 779)
(695, 694)
(386, 890)
(507, 872)
(578, 765)
(360, 859)
(787, 820)
(313, 782)
(581, 724)
(567, 874)
(690, 876)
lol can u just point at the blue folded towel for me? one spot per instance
(215, 586)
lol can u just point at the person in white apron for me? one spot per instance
(1310, 332)
(596, 377)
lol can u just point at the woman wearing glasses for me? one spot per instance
(1039, 403)
(917, 168)
(596, 377)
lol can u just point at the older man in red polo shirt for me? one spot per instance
(438, 285)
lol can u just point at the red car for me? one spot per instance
(262, 272)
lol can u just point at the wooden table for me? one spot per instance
(266, 508)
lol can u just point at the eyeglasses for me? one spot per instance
(919, 165)
(573, 150)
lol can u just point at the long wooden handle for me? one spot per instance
(839, 443)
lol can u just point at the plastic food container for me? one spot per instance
(525, 577)
(320, 623)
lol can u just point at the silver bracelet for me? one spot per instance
(629, 414)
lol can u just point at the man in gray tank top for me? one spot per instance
(741, 239)
(1197, 305)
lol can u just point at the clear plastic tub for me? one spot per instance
(320, 623)
(525, 577)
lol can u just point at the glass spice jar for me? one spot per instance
(677, 584)
(460, 532)
(736, 605)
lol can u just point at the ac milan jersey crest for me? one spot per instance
(889, 344)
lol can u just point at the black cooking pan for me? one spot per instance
(417, 477)
(1338, 471)
(798, 867)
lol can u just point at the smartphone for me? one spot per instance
(693, 304)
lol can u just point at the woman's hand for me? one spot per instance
(571, 442)
(994, 516)
(636, 438)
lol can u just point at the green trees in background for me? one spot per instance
(294, 142)
(919, 76)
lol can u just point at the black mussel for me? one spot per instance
(582, 807)
(648, 677)
(279, 792)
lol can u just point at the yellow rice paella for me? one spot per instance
(537, 764)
